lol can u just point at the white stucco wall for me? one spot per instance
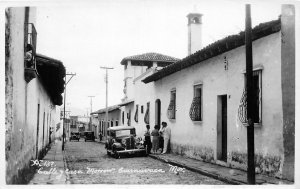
(217, 81)
(23, 97)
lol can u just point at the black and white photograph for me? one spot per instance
(146, 93)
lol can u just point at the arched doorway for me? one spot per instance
(157, 112)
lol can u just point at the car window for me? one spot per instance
(122, 133)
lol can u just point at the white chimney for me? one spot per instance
(194, 32)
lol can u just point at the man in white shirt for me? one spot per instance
(166, 131)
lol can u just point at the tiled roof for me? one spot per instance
(103, 110)
(52, 73)
(226, 44)
(150, 57)
(126, 103)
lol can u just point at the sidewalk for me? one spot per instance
(55, 174)
(226, 174)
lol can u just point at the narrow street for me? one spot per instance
(88, 163)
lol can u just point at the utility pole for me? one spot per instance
(91, 112)
(65, 94)
(250, 97)
(106, 112)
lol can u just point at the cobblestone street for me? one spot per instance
(88, 163)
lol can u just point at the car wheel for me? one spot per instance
(108, 153)
(145, 154)
(117, 155)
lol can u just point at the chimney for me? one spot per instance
(194, 32)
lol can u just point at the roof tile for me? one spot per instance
(152, 56)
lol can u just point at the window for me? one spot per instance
(136, 116)
(257, 91)
(129, 118)
(117, 122)
(123, 117)
(172, 105)
(142, 109)
(257, 96)
(111, 123)
(146, 118)
(196, 106)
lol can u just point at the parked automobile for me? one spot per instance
(75, 136)
(89, 135)
(121, 140)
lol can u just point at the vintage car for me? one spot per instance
(75, 136)
(89, 135)
(121, 140)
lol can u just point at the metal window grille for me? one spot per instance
(136, 118)
(195, 110)
(129, 118)
(242, 110)
(30, 45)
(172, 106)
(146, 118)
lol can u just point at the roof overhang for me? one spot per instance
(221, 46)
(110, 109)
(51, 73)
(126, 103)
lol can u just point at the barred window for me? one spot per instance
(172, 106)
(257, 94)
(129, 118)
(242, 111)
(136, 116)
(196, 106)
(146, 118)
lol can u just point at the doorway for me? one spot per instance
(37, 132)
(222, 128)
(157, 112)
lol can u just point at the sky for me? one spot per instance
(85, 36)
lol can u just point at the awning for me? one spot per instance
(126, 103)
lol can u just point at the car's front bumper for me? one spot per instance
(131, 151)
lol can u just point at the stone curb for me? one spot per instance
(198, 170)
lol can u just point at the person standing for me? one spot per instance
(161, 138)
(166, 135)
(155, 139)
(147, 139)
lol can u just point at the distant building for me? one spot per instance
(33, 88)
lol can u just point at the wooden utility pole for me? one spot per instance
(250, 97)
(90, 128)
(106, 99)
(65, 94)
